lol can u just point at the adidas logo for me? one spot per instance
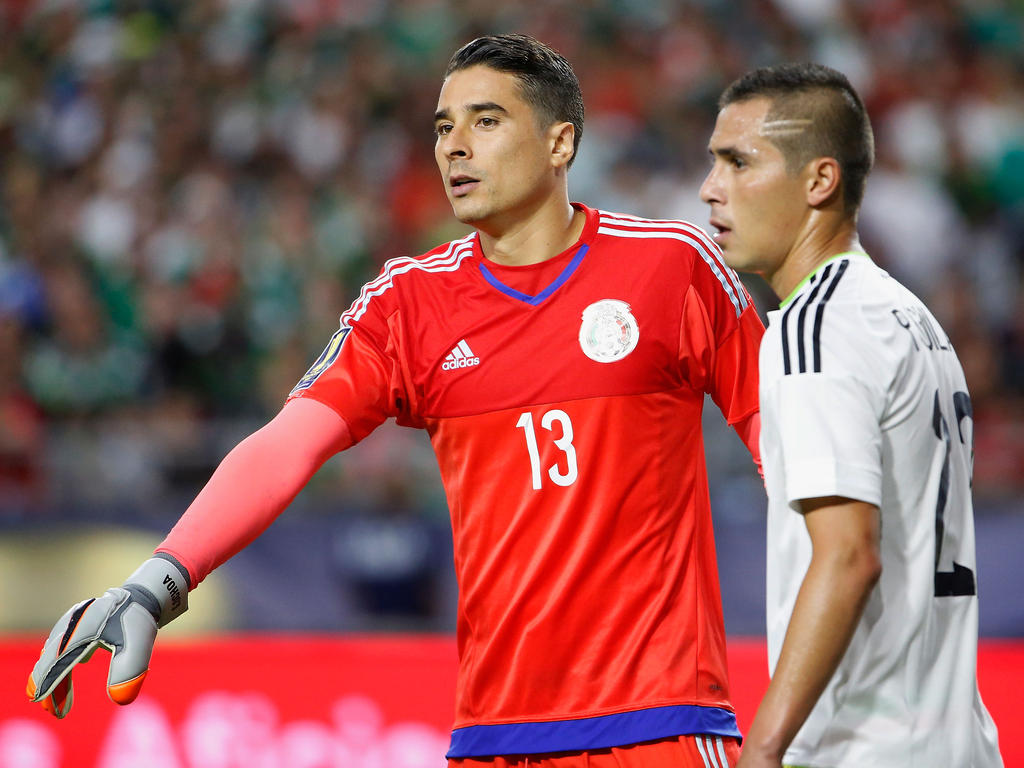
(461, 356)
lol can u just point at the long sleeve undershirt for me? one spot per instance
(254, 483)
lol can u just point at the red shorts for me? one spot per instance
(697, 751)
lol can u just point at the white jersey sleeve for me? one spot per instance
(862, 396)
(829, 431)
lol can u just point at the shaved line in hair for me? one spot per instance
(779, 128)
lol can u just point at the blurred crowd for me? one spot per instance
(192, 192)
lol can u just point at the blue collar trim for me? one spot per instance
(540, 297)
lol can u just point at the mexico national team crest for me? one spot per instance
(609, 331)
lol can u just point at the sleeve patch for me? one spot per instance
(327, 357)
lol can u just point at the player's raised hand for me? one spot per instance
(124, 621)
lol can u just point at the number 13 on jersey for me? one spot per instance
(558, 423)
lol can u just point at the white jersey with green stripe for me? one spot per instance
(862, 396)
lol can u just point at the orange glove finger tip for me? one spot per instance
(57, 702)
(50, 703)
(128, 691)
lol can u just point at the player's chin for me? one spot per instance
(732, 255)
(735, 255)
(466, 213)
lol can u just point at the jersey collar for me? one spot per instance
(580, 247)
(810, 278)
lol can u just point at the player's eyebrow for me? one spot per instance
(483, 106)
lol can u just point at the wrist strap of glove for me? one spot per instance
(161, 585)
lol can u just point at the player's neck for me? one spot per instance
(538, 236)
(817, 245)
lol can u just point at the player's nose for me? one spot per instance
(455, 144)
(711, 189)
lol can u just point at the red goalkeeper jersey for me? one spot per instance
(567, 426)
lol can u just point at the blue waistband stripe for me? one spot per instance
(591, 732)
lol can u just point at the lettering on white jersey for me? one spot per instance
(461, 356)
(608, 331)
(622, 225)
(924, 331)
(807, 313)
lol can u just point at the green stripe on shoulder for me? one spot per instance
(816, 270)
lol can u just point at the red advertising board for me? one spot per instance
(257, 701)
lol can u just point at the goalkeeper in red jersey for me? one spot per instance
(559, 358)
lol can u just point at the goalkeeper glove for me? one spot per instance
(123, 621)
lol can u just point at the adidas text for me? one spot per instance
(461, 356)
(465, 362)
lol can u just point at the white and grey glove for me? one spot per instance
(124, 621)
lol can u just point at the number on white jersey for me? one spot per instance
(959, 581)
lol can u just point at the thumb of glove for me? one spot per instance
(50, 680)
(87, 626)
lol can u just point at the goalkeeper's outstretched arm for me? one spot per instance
(254, 483)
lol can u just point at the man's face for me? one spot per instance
(756, 205)
(494, 157)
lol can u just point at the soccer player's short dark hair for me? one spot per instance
(822, 98)
(546, 79)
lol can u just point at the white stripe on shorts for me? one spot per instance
(721, 752)
(707, 752)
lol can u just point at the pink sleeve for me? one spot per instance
(254, 483)
(749, 430)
